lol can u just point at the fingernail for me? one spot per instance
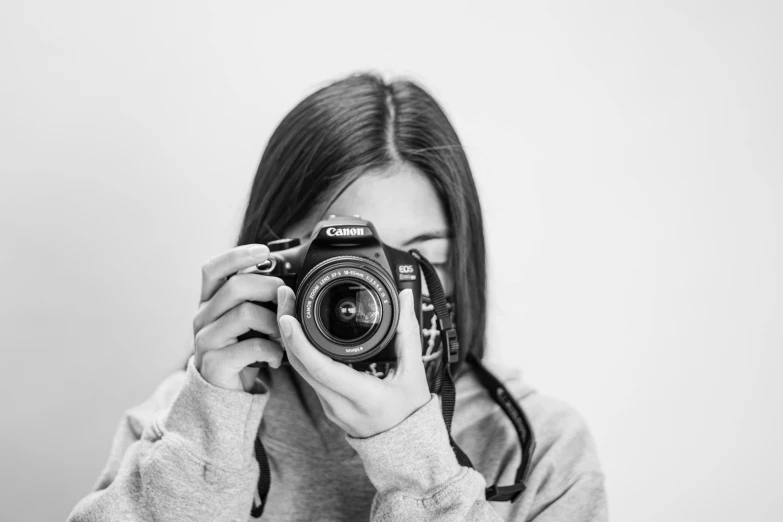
(281, 296)
(259, 251)
(285, 328)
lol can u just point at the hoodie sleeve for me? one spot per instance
(185, 454)
(417, 477)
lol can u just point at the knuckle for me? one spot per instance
(246, 312)
(233, 289)
(196, 324)
(257, 345)
(208, 360)
(199, 340)
(329, 413)
(367, 406)
(267, 286)
(243, 350)
(208, 268)
(319, 374)
(337, 418)
(198, 319)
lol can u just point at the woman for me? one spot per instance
(344, 445)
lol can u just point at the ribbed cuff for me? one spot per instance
(414, 457)
(219, 424)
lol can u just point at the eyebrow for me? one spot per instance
(427, 236)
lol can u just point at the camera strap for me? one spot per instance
(444, 387)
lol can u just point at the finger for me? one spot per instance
(286, 305)
(237, 321)
(230, 360)
(217, 268)
(407, 342)
(323, 392)
(286, 302)
(240, 288)
(332, 374)
(249, 374)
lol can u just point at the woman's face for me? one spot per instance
(405, 209)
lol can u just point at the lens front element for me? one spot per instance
(348, 311)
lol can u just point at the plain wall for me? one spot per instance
(628, 157)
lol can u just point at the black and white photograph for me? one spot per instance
(391, 262)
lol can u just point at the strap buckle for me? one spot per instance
(451, 343)
(504, 493)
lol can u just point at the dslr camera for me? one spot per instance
(347, 284)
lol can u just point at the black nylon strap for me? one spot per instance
(448, 398)
(444, 381)
(444, 385)
(264, 479)
(448, 333)
(516, 414)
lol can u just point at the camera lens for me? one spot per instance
(348, 311)
(348, 308)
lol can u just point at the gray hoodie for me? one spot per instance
(187, 454)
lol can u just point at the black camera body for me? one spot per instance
(347, 283)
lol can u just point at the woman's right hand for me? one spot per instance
(225, 312)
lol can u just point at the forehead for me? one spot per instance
(400, 202)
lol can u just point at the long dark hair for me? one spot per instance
(362, 123)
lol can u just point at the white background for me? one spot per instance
(628, 160)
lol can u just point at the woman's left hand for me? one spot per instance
(359, 403)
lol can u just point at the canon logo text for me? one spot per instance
(344, 231)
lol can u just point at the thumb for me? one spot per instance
(408, 336)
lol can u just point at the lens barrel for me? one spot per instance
(348, 307)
